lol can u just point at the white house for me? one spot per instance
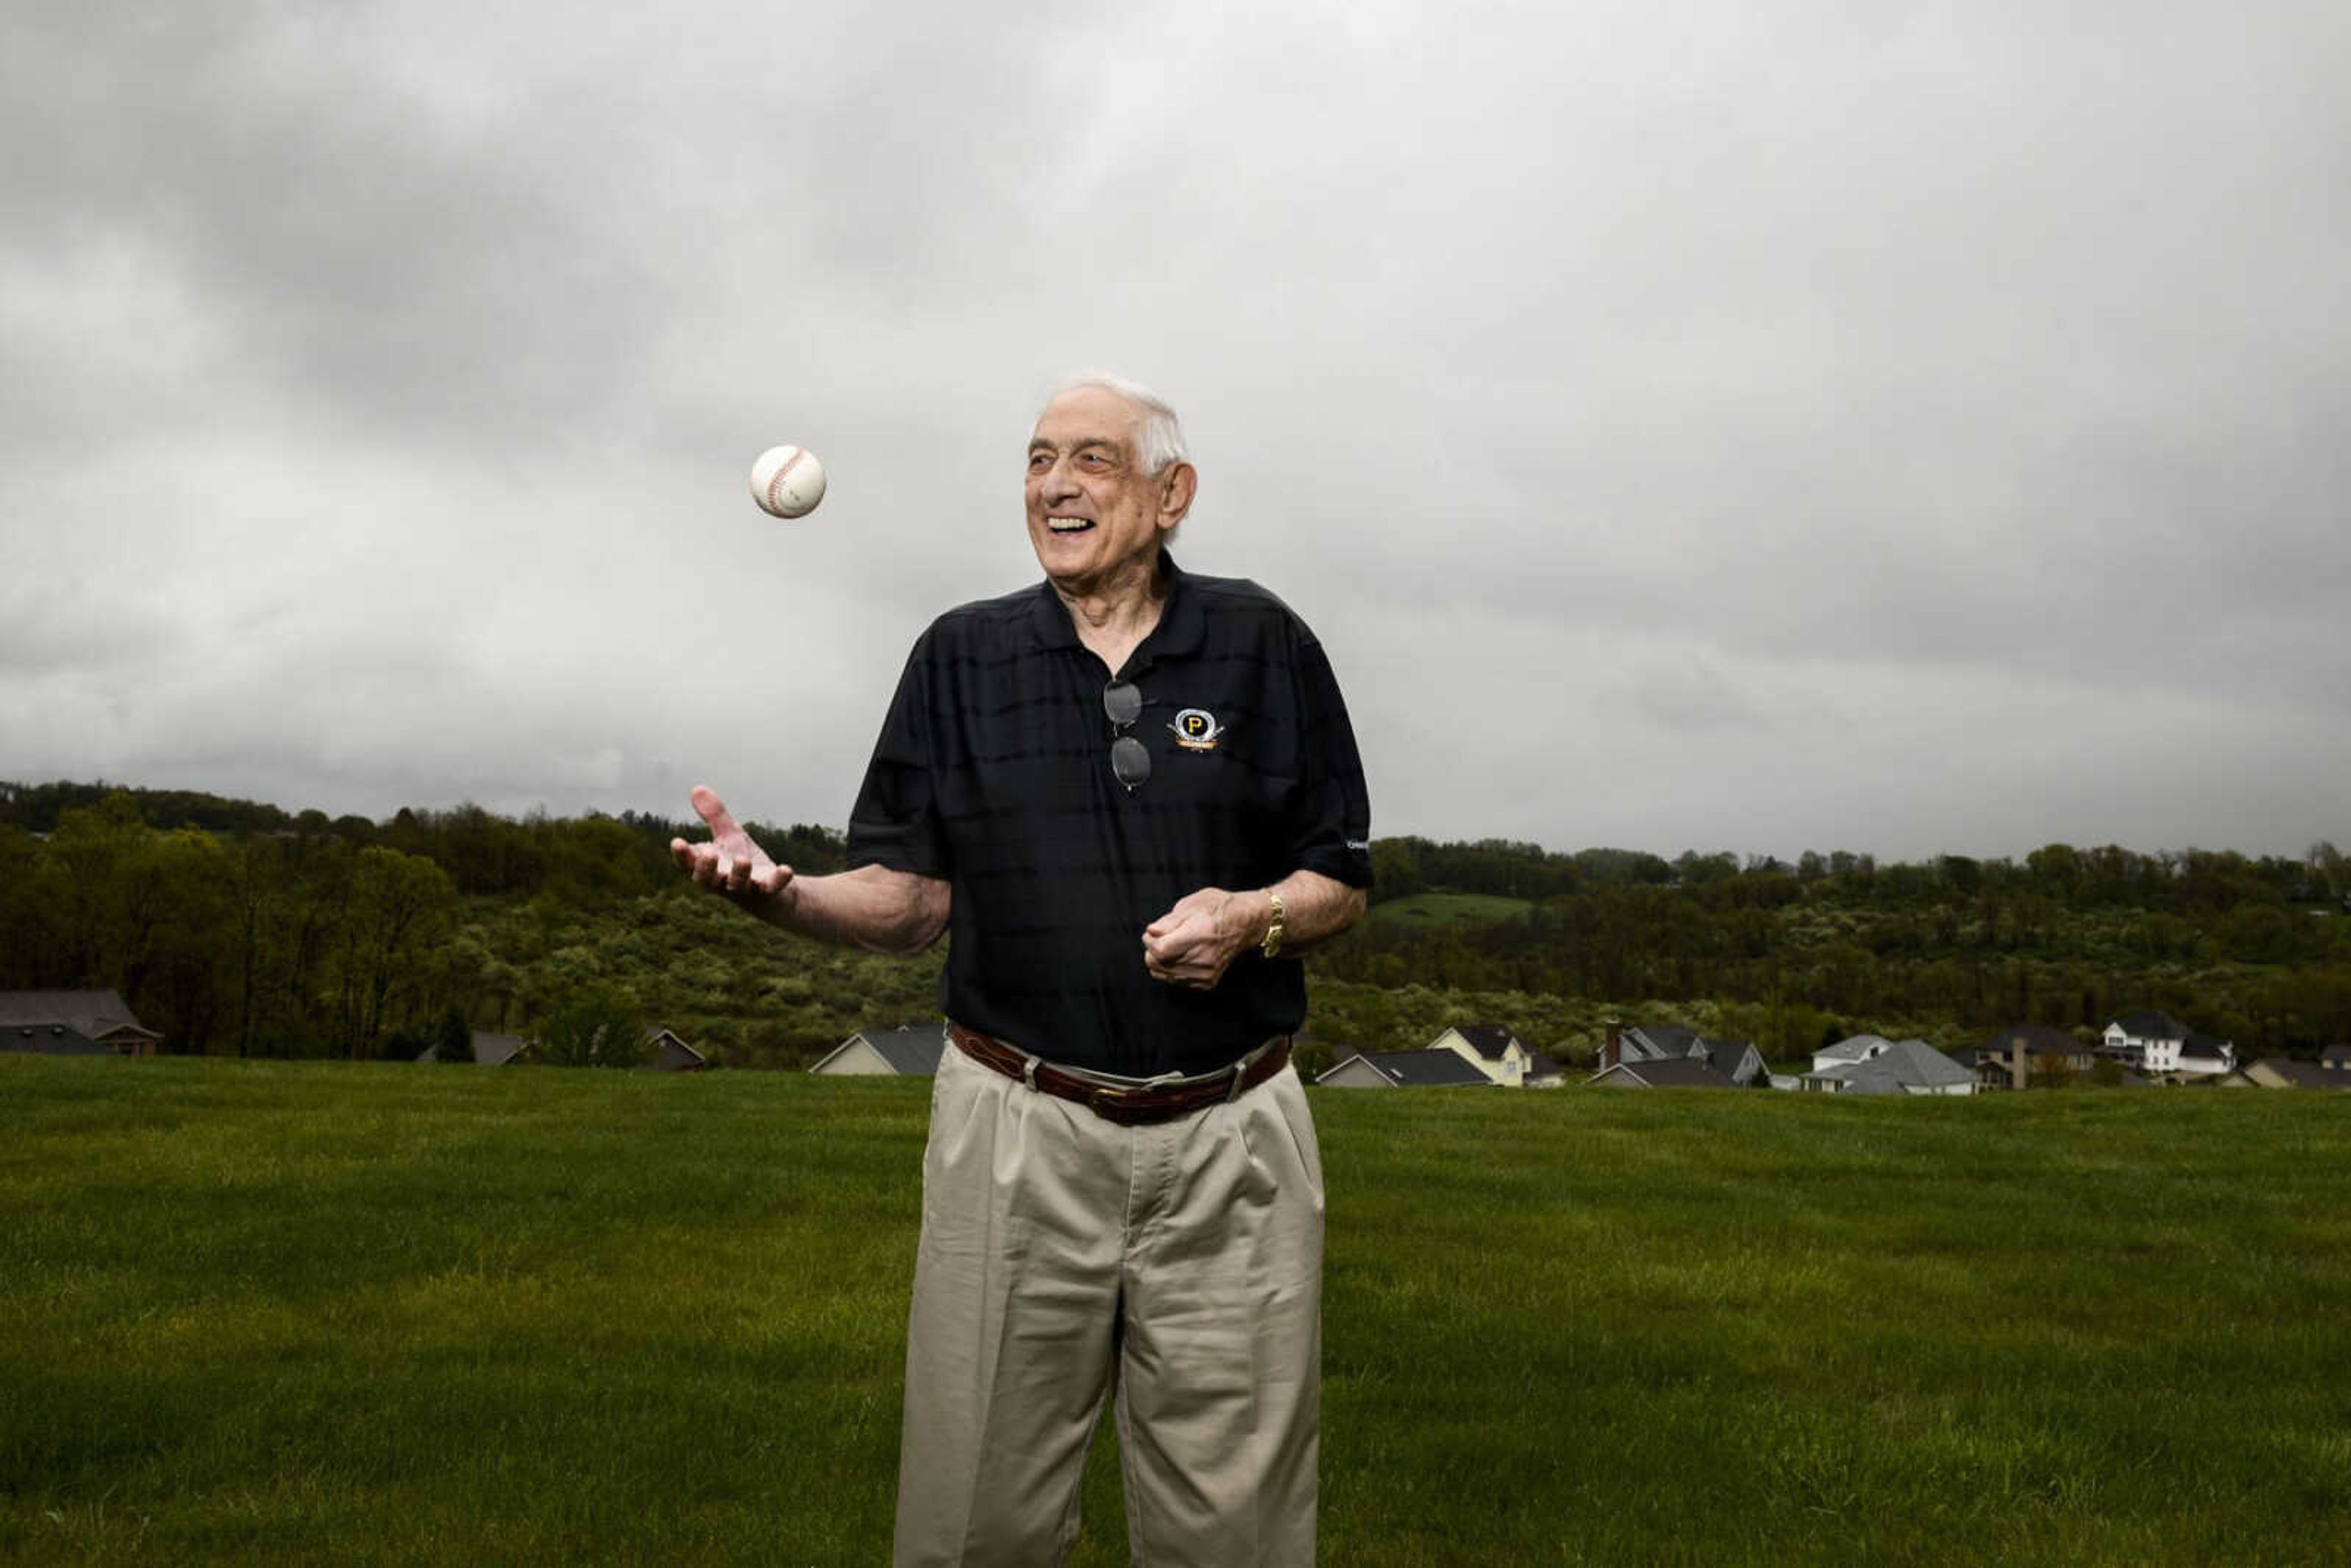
(2156, 1043)
(1850, 1051)
(2202, 1056)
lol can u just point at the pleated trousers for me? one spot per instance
(1066, 1259)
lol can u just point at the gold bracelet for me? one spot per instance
(1273, 931)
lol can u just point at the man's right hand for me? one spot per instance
(731, 863)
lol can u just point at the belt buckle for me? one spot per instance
(1107, 1096)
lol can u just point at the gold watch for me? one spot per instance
(1273, 930)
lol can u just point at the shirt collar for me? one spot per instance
(1181, 622)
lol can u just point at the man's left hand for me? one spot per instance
(1196, 942)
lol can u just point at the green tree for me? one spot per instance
(2051, 1071)
(592, 1026)
(399, 909)
(183, 922)
(1396, 870)
(22, 934)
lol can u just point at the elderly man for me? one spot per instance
(1131, 795)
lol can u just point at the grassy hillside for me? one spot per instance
(1421, 910)
(262, 1312)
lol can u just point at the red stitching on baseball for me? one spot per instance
(776, 502)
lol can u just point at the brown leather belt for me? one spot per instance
(1128, 1107)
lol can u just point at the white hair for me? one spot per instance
(1158, 438)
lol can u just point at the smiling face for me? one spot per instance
(1095, 517)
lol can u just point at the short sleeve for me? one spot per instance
(895, 822)
(1331, 821)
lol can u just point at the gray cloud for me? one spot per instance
(1904, 428)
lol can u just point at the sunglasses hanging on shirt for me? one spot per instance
(1130, 764)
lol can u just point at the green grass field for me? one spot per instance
(1420, 910)
(276, 1312)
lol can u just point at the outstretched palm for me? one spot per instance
(731, 862)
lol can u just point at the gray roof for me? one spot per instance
(1903, 1064)
(1658, 1041)
(2302, 1074)
(2336, 1057)
(1871, 1077)
(1917, 1062)
(674, 1054)
(49, 1039)
(496, 1049)
(911, 1048)
(1852, 1047)
(1726, 1054)
(90, 1013)
(1676, 1072)
(1421, 1069)
(2152, 1023)
(1491, 1040)
(2040, 1040)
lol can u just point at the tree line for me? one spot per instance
(2257, 950)
(238, 928)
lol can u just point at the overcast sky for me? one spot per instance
(1904, 428)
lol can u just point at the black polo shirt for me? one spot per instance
(993, 772)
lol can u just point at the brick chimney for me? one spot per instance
(1612, 1048)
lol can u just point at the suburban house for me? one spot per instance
(1735, 1059)
(2336, 1059)
(2203, 1056)
(665, 1052)
(671, 1054)
(1543, 1072)
(73, 1023)
(2156, 1043)
(909, 1050)
(1851, 1049)
(1890, 1067)
(1406, 1070)
(2015, 1056)
(2283, 1073)
(1665, 1072)
(1642, 1042)
(488, 1050)
(1494, 1050)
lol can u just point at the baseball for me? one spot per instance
(788, 481)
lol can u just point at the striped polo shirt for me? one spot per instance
(993, 771)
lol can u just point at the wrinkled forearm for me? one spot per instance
(1315, 908)
(872, 907)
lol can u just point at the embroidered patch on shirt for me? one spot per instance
(1197, 730)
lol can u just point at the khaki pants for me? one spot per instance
(1064, 1255)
